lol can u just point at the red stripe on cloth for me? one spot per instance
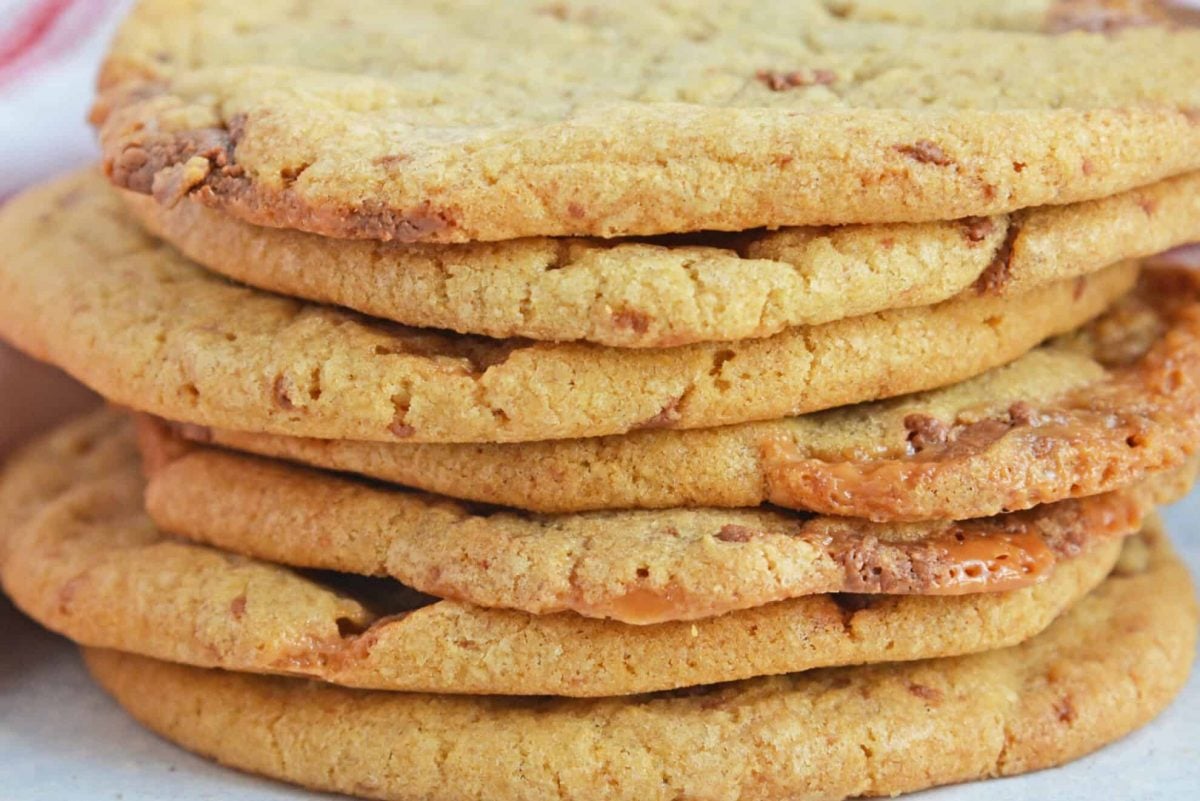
(30, 28)
(45, 30)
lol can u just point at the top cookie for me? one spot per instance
(464, 122)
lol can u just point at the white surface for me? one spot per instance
(62, 739)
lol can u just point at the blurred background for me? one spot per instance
(49, 50)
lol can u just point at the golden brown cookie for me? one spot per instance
(678, 290)
(456, 122)
(83, 287)
(638, 567)
(1086, 413)
(1053, 16)
(1103, 669)
(77, 554)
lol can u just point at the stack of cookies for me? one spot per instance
(638, 400)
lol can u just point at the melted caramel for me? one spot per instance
(1143, 416)
(642, 606)
(992, 562)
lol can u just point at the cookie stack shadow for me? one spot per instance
(816, 511)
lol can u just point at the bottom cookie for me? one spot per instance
(1103, 669)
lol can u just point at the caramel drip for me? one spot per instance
(1144, 416)
(872, 488)
(991, 563)
(641, 606)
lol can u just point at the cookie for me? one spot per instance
(631, 119)
(1100, 671)
(1055, 16)
(1083, 414)
(79, 556)
(637, 567)
(83, 287)
(679, 290)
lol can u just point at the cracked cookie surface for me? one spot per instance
(474, 122)
(676, 290)
(82, 286)
(1088, 412)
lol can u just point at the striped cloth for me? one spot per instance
(49, 52)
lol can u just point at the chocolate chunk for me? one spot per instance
(998, 272)
(1022, 414)
(279, 391)
(978, 229)
(925, 431)
(778, 80)
(931, 694)
(665, 418)
(926, 152)
(731, 532)
(629, 320)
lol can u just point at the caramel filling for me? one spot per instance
(641, 606)
(1145, 416)
(992, 563)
